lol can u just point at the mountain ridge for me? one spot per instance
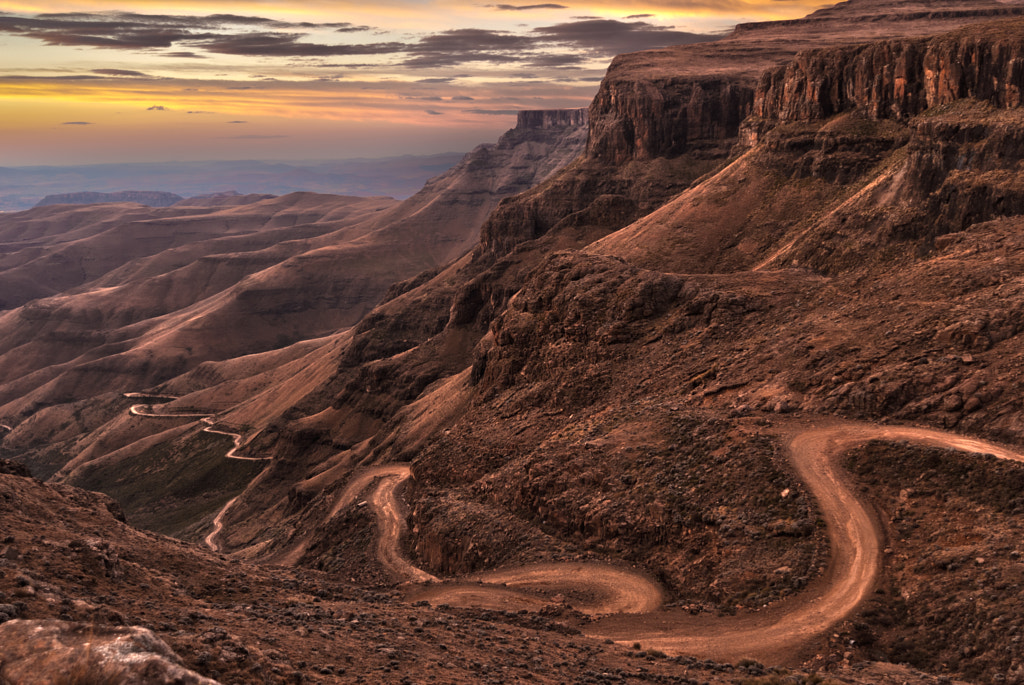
(150, 198)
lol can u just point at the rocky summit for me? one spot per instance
(715, 382)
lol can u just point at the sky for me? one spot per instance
(85, 82)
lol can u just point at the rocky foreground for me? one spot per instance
(85, 598)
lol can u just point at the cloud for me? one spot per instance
(199, 111)
(253, 137)
(560, 45)
(441, 79)
(612, 37)
(238, 122)
(462, 98)
(556, 60)
(157, 108)
(77, 123)
(128, 30)
(288, 45)
(433, 112)
(120, 72)
(639, 16)
(351, 28)
(458, 46)
(495, 112)
(522, 8)
(64, 77)
(105, 30)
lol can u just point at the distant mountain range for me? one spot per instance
(150, 198)
(399, 177)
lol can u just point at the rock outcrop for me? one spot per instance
(899, 78)
(666, 117)
(541, 119)
(46, 651)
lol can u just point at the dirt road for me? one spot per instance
(627, 601)
(390, 526)
(218, 525)
(145, 411)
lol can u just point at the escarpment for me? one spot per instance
(934, 123)
(666, 117)
(900, 78)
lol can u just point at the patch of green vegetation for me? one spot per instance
(173, 485)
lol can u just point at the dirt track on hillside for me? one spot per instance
(218, 524)
(626, 602)
(145, 411)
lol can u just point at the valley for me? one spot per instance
(714, 382)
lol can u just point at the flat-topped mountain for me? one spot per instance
(150, 198)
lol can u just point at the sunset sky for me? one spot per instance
(149, 80)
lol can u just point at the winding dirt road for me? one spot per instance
(627, 602)
(145, 411)
(218, 524)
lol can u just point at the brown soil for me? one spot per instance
(69, 558)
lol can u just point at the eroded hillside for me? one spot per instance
(105, 299)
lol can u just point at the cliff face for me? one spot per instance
(952, 109)
(542, 143)
(542, 119)
(898, 79)
(665, 118)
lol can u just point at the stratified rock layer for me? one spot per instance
(898, 78)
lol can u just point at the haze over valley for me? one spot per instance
(398, 177)
(712, 377)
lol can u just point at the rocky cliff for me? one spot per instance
(541, 119)
(664, 118)
(898, 79)
(940, 115)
